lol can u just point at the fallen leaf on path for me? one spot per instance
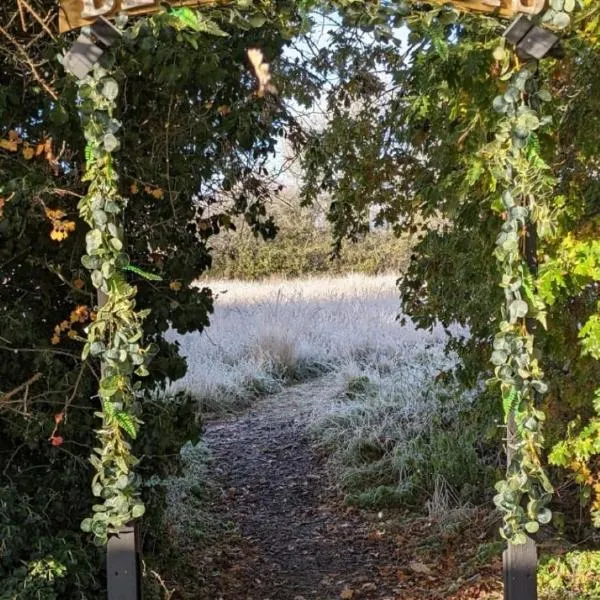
(420, 568)
(368, 587)
(347, 593)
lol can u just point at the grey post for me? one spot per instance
(123, 552)
(519, 562)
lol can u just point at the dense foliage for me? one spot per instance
(425, 121)
(302, 247)
(175, 100)
(411, 129)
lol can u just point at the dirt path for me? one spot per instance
(301, 542)
(297, 539)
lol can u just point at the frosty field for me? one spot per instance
(264, 334)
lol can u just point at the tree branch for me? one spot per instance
(6, 397)
(30, 64)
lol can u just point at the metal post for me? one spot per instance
(519, 562)
(123, 565)
(123, 551)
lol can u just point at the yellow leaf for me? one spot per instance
(158, 193)
(262, 71)
(175, 285)
(28, 153)
(347, 593)
(134, 189)
(9, 145)
(55, 340)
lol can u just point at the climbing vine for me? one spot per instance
(527, 186)
(115, 336)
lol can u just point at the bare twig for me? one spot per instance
(37, 17)
(75, 389)
(24, 386)
(22, 15)
(52, 350)
(30, 64)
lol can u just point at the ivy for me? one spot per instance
(115, 336)
(526, 188)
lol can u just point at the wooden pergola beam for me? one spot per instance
(505, 8)
(78, 13)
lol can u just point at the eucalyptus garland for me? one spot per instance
(525, 494)
(115, 336)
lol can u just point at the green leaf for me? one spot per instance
(499, 357)
(544, 516)
(142, 273)
(532, 526)
(127, 423)
(90, 262)
(257, 20)
(122, 482)
(544, 95)
(510, 402)
(110, 88)
(561, 20)
(100, 217)
(93, 240)
(97, 279)
(86, 525)
(187, 16)
(111, 143)
(116, 243)
(142, 371)
(97, 348)
(517, 309)
(138, 510)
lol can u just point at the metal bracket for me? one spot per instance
(88, 48)
(530, 40)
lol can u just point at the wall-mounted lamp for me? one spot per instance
(88, 48)
(530, 40)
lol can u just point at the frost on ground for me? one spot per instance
(264, 334)
(370, 406)
(392, 436)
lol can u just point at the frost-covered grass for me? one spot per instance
(265, 334)
(401, 439)
(391, 434)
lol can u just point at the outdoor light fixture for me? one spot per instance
(530, 40)
(88, 48)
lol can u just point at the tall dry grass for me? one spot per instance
(265, 334)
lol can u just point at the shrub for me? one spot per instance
(411, 443)
(301, 248)
(573, 576)
(43, 554)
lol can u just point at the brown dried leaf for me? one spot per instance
(419, 567)
(262, 71)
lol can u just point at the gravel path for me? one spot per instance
(301, 543)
